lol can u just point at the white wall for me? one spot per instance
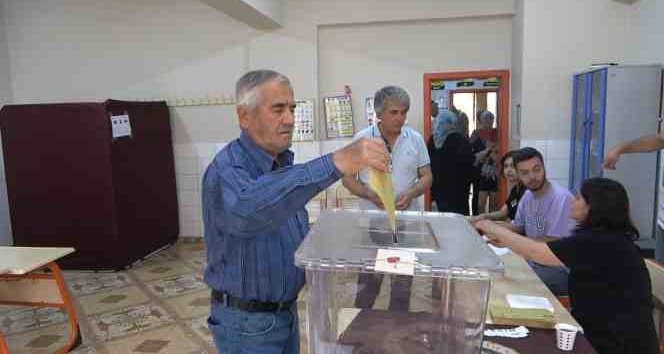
(516, 73)
(559, 39)
(369, 56)
(63, 50)
(646, 32)
(5, 97)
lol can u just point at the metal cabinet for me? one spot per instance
(611, 105)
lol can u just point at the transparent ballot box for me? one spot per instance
(357, 303)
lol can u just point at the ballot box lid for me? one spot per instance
(444, 244)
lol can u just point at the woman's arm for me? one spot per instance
(531, 250)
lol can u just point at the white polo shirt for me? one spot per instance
(408, 154)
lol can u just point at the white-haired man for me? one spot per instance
(255, 218)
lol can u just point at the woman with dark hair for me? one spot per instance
(508, 210)
(609, 285)
(451, 164)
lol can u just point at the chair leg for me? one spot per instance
(74, 333)
(3, 345)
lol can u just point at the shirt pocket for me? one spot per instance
(408, 159)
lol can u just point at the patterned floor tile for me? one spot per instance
(84, 349)
(29, 318)
(98, 282)
(112, 300)
(131, 320)
(166, 340)
(197, 262)
(40, 341)
(190, 305)
(165, 255)
(177, 285)
(188, 249)
(200, 327)
(160, 270)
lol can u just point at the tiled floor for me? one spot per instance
(157, 307)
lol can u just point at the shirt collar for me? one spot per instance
(377, 133)
(262, 158)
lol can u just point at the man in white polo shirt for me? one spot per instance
(411, 176)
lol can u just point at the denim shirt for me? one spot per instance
(255, 218)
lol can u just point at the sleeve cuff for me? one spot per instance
(323, 171)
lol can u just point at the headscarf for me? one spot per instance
(445, 124)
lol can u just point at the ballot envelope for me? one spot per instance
(423, 289)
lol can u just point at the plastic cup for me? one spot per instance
(565, 335)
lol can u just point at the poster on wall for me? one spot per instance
(338, 117)
(369, 111)
(304, 120)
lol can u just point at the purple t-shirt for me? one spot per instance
(547, 215)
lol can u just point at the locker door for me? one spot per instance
(596, 124)
(577, 150)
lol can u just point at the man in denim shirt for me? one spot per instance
(255, 218)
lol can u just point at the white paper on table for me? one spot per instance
(405, 264)
(529, 302)
(517, 332)
(499, 251)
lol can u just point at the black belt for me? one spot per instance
(250, 305)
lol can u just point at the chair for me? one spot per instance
(656, 271)
(564, 300)
(316, 205)
(345, 199)
(3, 345)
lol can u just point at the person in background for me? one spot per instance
(462, 121)
(508, 211)
(411, 176)
(543, 213)
(609, 284)
(451, 164)
(488, 181)
(479, 141)
(647, 143)
(254, 214)
(434, 110)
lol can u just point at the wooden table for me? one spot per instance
(32, 278)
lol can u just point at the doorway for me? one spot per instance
(474, 91)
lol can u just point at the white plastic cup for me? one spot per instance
(565, 335)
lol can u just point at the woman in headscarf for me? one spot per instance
(451, 163)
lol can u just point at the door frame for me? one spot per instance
(502, 120)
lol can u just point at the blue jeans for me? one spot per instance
(240, 332)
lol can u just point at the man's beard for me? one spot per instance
(541, 185)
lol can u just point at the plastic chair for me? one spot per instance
(346, 199)
(564, 300)
(656, 271)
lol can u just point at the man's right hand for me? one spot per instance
(362, 153)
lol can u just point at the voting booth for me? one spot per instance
(421, 289)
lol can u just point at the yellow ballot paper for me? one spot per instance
(381, 183)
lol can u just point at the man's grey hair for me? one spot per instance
(486, 116)
(246, 88)
(390, 93)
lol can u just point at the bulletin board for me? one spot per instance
(369, 111)
(338, 117)
(304, 120)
